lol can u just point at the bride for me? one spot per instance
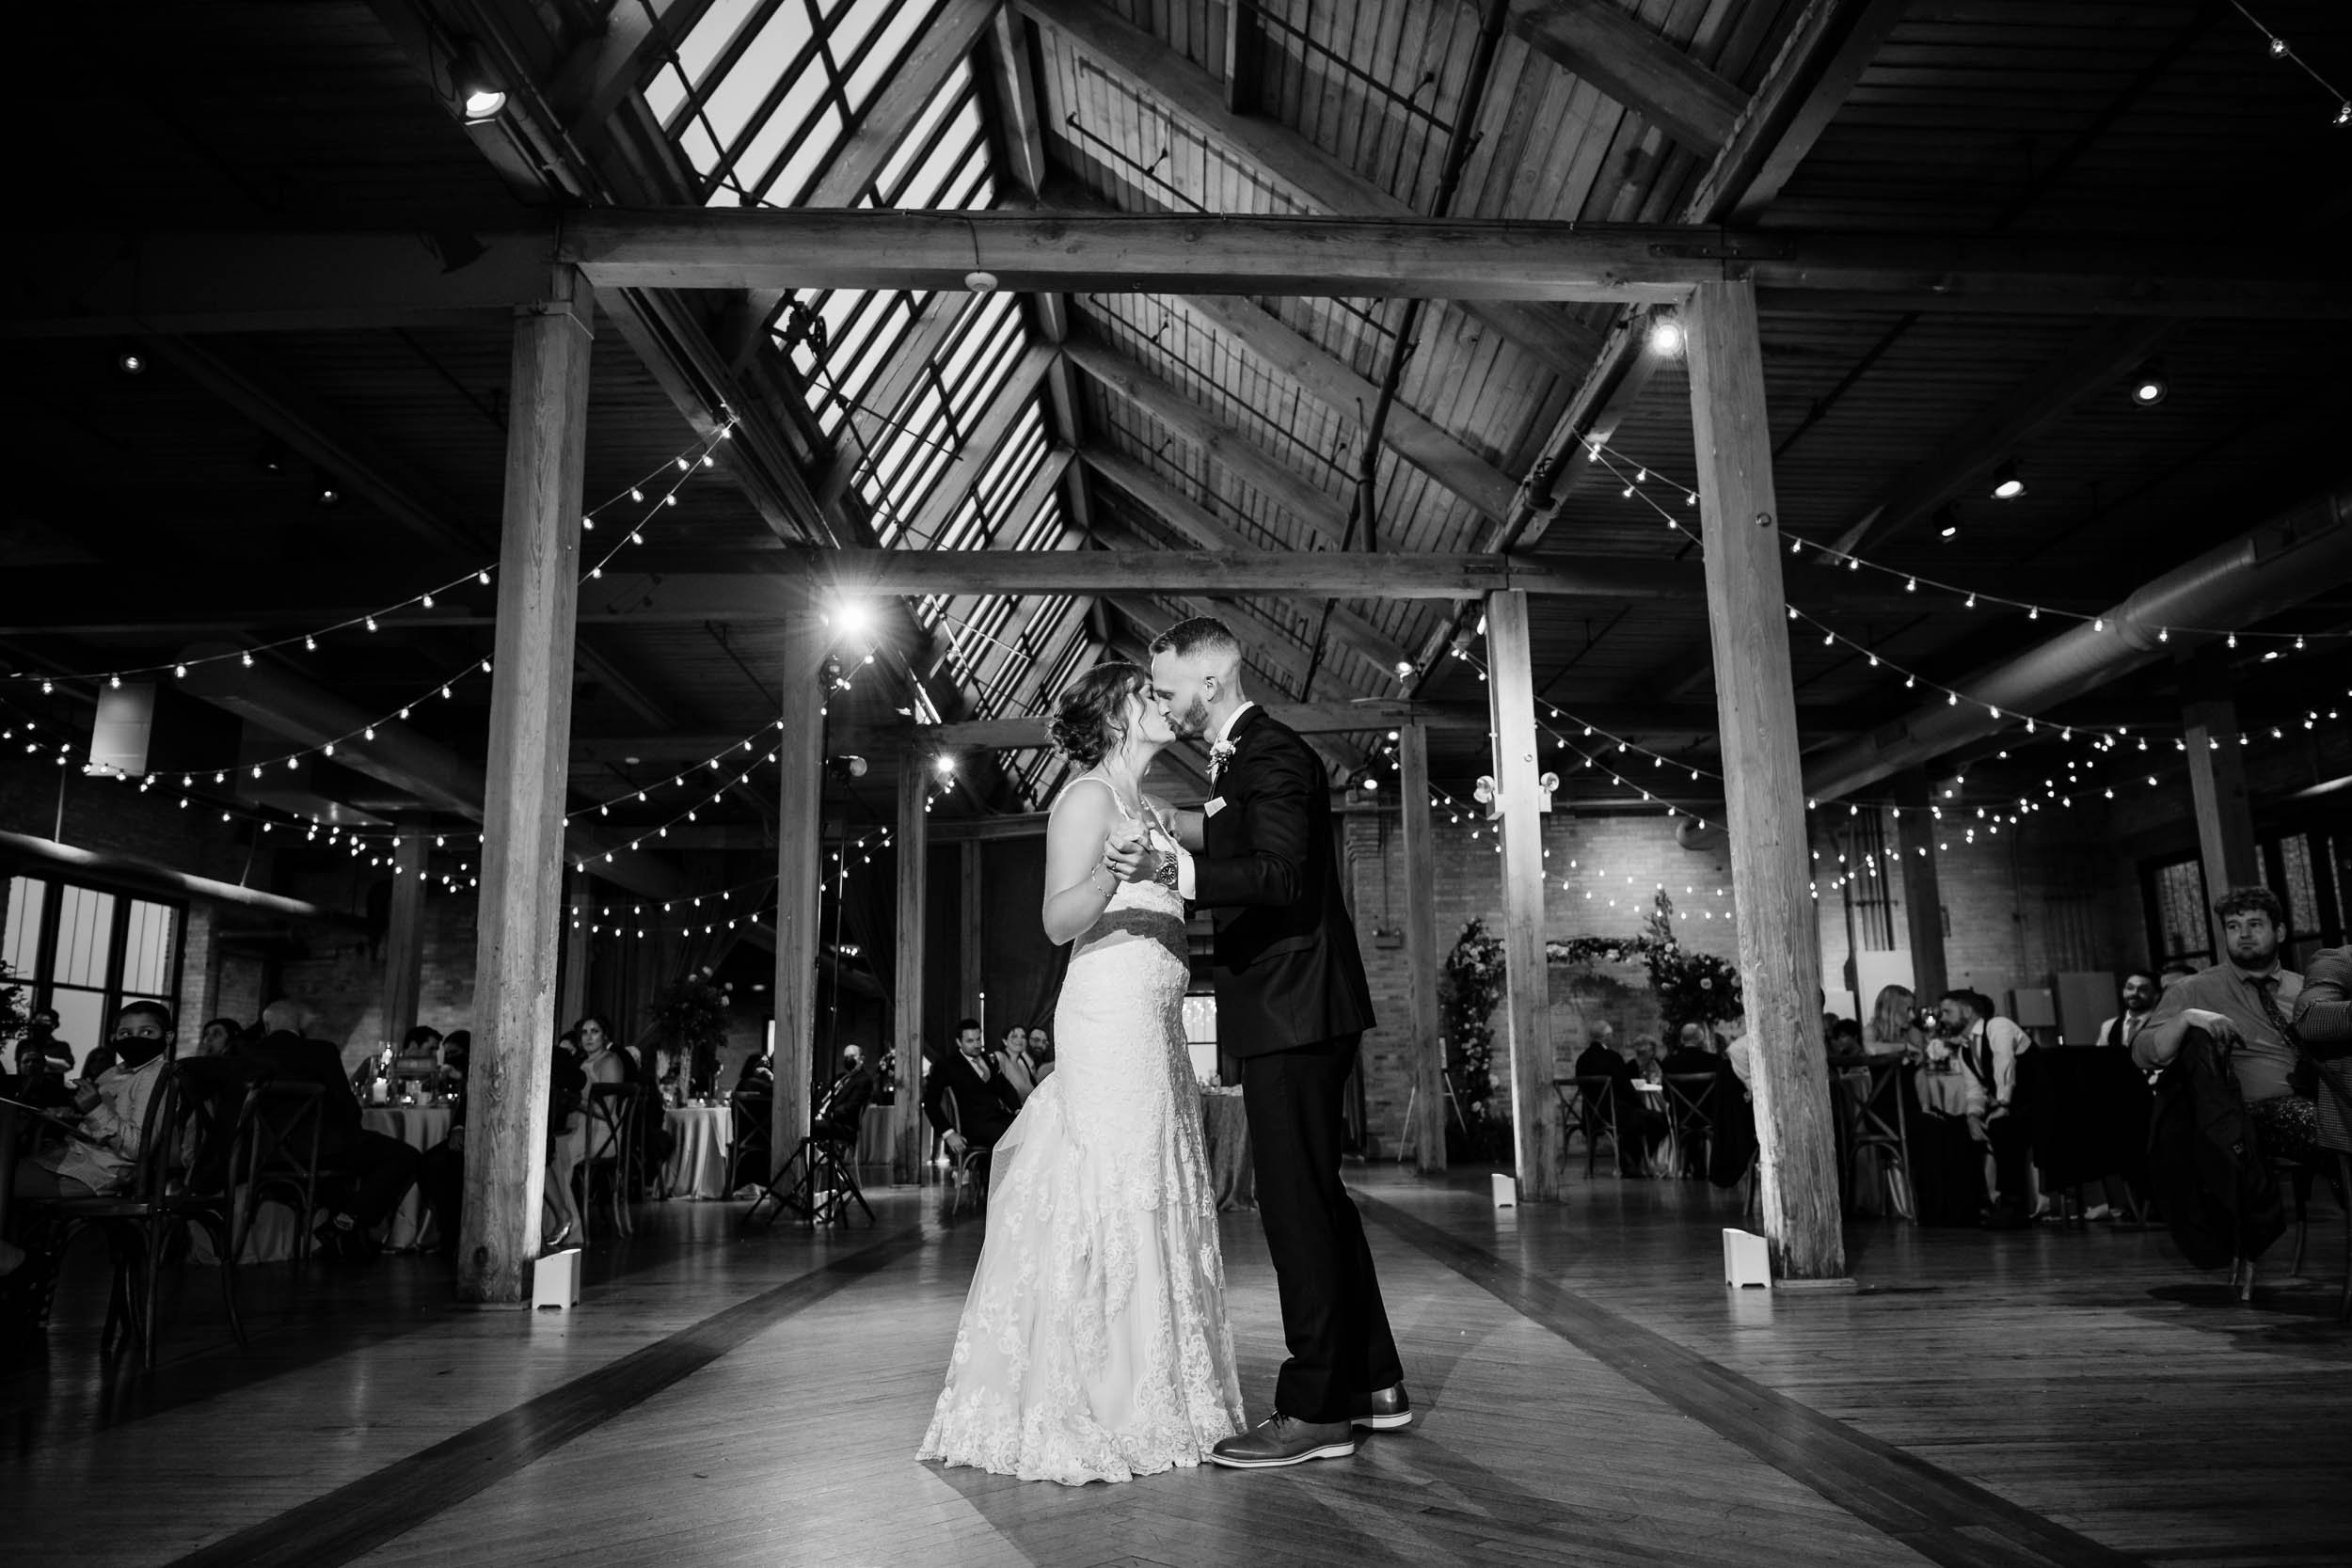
(1094, 1343)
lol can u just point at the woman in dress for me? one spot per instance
(1094, 1345)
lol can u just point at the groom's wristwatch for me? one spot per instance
(1165, 873)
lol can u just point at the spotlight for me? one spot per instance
(327, 494)
(130, 361)
(947, 766)
(2007, 482)
(853, 618)
(1371, 785)
(1947, 522)
(2149, 385)
(847, 765)
(1404, 668)
(1665, 334)
(476, 87)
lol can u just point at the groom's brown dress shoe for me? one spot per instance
(1282, 1441)
(1382, 1410)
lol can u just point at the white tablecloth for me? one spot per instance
(411, 1228)
(701, 1137)
(421, 1127)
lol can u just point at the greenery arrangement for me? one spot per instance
(692, 1017)
(1691, 988)
(1472, 991)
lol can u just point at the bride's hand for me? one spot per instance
(1129, 860)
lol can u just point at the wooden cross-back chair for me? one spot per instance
(176, 1137)
(613, 1114)
(1589, 1105)
(1691, 1113)
(1879, 1123)
(277, 1156)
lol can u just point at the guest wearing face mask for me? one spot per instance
(110, 1114)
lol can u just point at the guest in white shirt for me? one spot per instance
(2139, 997)
(1989, 1046)
(1013, 1060)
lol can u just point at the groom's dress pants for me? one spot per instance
(1332, 1316)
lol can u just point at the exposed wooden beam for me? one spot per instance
(1338, 387)
(2100, 357)
(728, 248)
(1195, 525)
(1625, 59)
(930, 58)
(1214, 436)
(1316, 182)
(606, 67)
(82, 285)
(1824, 56)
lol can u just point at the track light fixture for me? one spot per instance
(2149, 385)
(479, 93)
(1946, 523)
(130, 361)
(2008, 485)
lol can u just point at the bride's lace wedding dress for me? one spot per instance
(1094, 1343)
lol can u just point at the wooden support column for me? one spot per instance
(906, 1001)
(522, 816)
(571, 996)
(2217, 785)
(404, 932)
(1425, 1042)
(971, 970)
(1923, 896)
(1756, 711)
(800, 853)
(1527, 975)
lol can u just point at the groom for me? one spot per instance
(1291, 1003)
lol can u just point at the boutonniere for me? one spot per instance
(1219, 755)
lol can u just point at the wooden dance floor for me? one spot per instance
(1590, 1394)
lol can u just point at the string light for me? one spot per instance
(367, 620)
(2281, 50)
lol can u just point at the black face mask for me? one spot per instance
(138, 1050)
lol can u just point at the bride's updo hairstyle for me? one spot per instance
(1091, 721)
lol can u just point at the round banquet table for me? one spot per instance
(421, 1127)
(1225, 1145)
(701, 1138)
(274, 1238)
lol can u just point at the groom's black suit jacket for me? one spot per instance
(1286, 964)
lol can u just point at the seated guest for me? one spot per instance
(1694, 1052)
(456, 1057)
(39, 1080)
(2244, 1004)
(40, 1036)
(108, 1117)
(219, 1036)
(1987, 1047)
(1040, 1055)
(1894, 1029)
(2323, 1021)
(841, 1111)
(1646, 1060)
(441, 1170)
(1602, 1059)
(2141, 994)
(1013, 1060)
(985, 1102)
(378, 1169)
(758, 1076)
(1844, 1041)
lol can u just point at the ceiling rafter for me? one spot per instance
(1152, 72)
(1599, 42)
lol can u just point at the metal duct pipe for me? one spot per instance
(2303, 551)
(399, 756)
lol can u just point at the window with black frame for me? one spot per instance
(83, 951)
